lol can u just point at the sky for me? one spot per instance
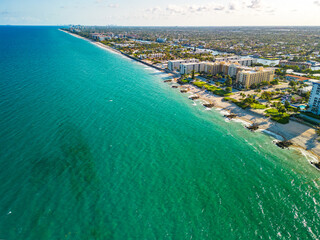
(161, 13)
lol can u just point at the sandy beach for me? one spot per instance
(303, 137)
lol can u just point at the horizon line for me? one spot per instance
(113, 25)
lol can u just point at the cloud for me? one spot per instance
(243, 7)
(219, 8)
(112, 5)
(172, 10)
(105, 3)
(153, 10)
(255, 4)
(317, 3)
(232, 6)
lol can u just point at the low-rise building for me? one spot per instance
(299, 64)
(290, 77)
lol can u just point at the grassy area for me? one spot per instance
(199, 84)
(282, 118)
(244, 104)
(258, 106)
(239, 104)
(303, 117)
(185, 80)
(310, 114)
(215, 90)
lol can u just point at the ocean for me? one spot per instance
(97, 146)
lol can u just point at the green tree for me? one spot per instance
(292, 83)
(286, 104)
(229, 89)
(192, 74)
(229, 81)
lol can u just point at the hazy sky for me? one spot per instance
(160, 12)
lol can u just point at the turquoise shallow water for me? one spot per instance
(96, 146)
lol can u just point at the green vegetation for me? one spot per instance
(258, 106)
(185, 80)
(238, 103)
(215, 90)
(310, 114)
(277, 116)
(275, 82)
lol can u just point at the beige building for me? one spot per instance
(213, 68)
(246, 78)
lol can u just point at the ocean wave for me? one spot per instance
(276, 136)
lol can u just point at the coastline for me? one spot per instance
(101, 45)
(304, 138)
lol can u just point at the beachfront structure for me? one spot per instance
(314, 100)
(299, 64)
(187, 68)
(247, 78)
(174, 65)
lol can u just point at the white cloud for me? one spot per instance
(112, 5)
(173, 10)
(255, 4)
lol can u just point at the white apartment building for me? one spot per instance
(233, 70)
(245, 61)
(227, 59)
(236, 59)
(174, 65)
(314, 100)
(187, 68)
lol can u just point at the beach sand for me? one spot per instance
(302, 136)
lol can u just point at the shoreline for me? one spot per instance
(299, 134)
(101, 45)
